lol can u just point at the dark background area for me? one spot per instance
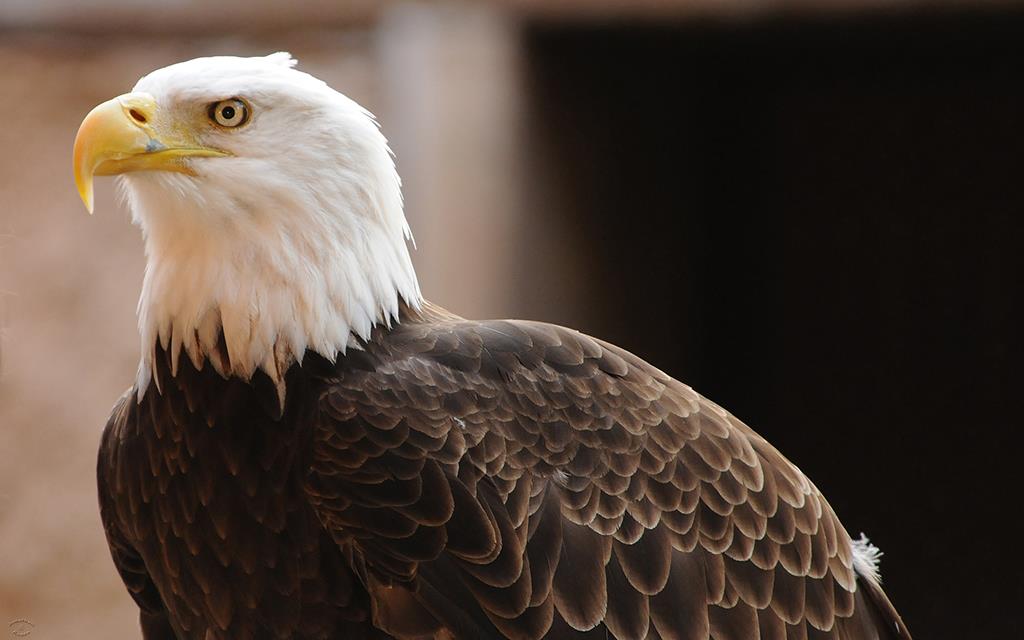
(818, 224)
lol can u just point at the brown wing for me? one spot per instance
(511, 479)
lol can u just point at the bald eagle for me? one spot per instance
(313, 450)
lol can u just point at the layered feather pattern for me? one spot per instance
(565, 484)
(450, 478)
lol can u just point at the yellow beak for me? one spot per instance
(125, 134)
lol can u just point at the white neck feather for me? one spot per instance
(279, 266)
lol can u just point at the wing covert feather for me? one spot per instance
(576, 489)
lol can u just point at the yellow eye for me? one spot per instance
(229, 113)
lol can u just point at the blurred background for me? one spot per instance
(810, 210)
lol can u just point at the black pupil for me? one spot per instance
(227, 113)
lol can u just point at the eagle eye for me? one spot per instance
(229, 113)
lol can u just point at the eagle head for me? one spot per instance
(270, 207)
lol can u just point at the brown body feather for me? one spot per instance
(459, 479)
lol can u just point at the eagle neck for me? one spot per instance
(246, 289)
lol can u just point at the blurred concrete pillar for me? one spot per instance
(451, 104)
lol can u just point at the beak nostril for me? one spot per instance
(137, 116)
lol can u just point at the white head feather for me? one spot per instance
(296, 241)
